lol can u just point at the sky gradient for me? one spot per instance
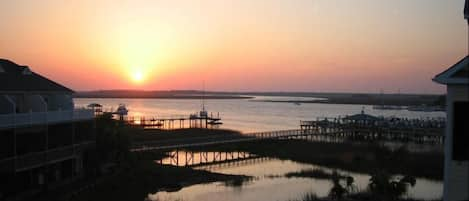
(237, 45)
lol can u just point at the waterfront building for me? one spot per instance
(43, 138)
(456, 175)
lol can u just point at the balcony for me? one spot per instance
(41, 118)
(38, 159)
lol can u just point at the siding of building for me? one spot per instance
(456, 175)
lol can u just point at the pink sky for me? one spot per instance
(237, 45)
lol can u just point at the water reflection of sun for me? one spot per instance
(137, 117)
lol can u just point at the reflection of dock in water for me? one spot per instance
(211, 160)
(234, 163)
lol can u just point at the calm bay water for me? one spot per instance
(269, 183)
(249, 115)
(253, 115)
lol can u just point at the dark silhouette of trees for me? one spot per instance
(384, 187)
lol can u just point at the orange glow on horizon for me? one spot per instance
(298, 45)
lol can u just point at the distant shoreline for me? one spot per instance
(346, 101)
(165, 97)
(132, 94)
(326, 98)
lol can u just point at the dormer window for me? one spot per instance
(27, 71)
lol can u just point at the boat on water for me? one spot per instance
(388, 107)
(203, 113)
(213, 122)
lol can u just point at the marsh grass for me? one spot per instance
(360, 158)
(314, 173)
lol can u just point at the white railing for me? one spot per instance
(37, 118)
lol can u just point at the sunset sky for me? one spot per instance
(237, 45)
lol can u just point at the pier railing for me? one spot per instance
(173, 122)
(426, 131)
(329, 134)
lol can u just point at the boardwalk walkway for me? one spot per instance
(207, 160)
(174, 122)
(328, 134)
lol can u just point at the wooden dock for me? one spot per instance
(332, 135)
(360, 127)
(174, 122)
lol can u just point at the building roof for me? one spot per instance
(362, 117)
(18, 79)
(456, 74)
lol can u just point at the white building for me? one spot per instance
(456, 175)
(43, 139)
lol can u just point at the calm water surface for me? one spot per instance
(269, 183)
(249, 115)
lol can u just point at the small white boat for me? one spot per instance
(214, 123)
(203, 113)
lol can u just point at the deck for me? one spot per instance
(174, 122)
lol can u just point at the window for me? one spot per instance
(461, 131)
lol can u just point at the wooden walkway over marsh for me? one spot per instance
(334, 133)
(359, 127)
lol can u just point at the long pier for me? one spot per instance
(333, 134)
(175, 122)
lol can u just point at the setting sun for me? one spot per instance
(137, 76)
(315, 99)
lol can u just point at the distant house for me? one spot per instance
(456, 175)
(42, 137)
(362, 118)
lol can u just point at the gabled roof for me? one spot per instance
(16, 78)
(456, 74)
(362, 117)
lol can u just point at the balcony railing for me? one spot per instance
(37, 159)
(39, 118)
